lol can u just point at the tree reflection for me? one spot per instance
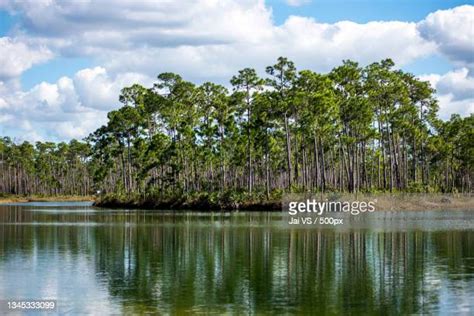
(245, 263)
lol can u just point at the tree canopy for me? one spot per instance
(372, 128)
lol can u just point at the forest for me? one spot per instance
(355, 129)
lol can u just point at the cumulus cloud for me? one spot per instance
(453, 32)
(455, 91)
(449, 106)
(458, 83)
(17, 56)
(208, 38)
(102, 26)
(312, 45)
(213, 36)
(98, 91)
(68, 108)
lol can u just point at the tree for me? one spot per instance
(283, 76)
(247, 82)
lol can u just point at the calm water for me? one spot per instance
(96, 261)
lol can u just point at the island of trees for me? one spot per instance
(354, 129)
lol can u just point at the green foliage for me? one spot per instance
(354, 129)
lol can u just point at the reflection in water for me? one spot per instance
(118, 261)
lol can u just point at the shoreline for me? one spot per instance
(188, 206)
(34, 198)
(383, 202)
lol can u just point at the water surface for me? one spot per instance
(114, 261)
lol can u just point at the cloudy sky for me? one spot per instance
(63, 63)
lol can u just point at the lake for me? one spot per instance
(117, 261)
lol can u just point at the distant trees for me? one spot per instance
(45, 168)
(356, 128)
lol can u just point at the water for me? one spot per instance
(109, 261)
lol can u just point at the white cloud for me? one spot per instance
(208, 39)
(97, 90)
(211, 38)
(16, 57)
(69, 108)
(455, 91)
(92, 26)
(297, 3)
(313, 45)
(448, 106)
(458, 83)
(453, 32)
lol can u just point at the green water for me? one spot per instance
(109, 261)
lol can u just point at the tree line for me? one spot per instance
(45, 168)
(354, 129)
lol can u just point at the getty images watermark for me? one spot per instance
(322, 211)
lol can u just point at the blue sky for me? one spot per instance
(362, 11)
(63, 63)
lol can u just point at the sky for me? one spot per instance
(63, 63)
